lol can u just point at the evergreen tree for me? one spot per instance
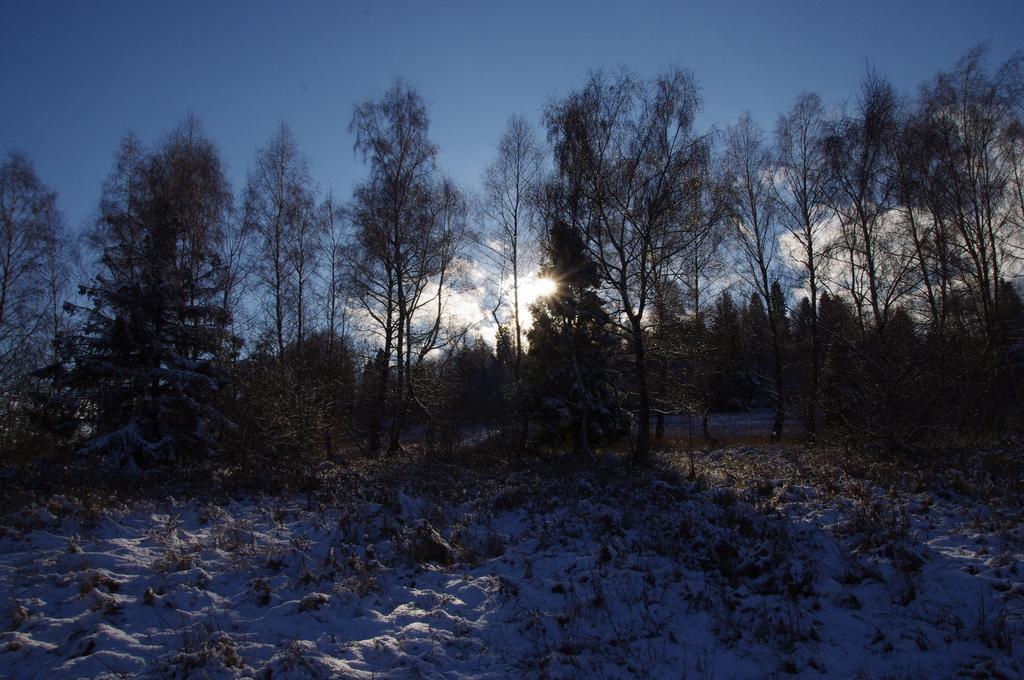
(478, 377)
(1011, 332)
(726, 335)
(842, 397)
(780, 340)
(756, 338)
(503, 344)
(144, 366)
(567, 368)
(778, 299)
(669, 350)
(512, 405)
(804, 338)
(700, 370)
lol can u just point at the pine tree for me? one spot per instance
(699, 372)
(726, 335)
(805, 371)
(779, 340)
(145, 365)
(505, 356)
(567, 369)
(842, 380)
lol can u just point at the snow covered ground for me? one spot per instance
(767, 565)
(756, 422)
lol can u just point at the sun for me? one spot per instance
(533, 287)
(544, 286)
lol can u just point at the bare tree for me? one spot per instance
(116, 236)
(33, 279)
(277, 208)
(435, 281)
(335, 292)
(410, 225)
(510, 204)
(1013, 138)
(628, 148)
(924, 217)
(701, 269)
(701, 265)
(878, 270)
(753, 212)
(303, 256)
(801, 191)
(374, 282)
(971, 113)
(860, 148)
(236, 255)
(31, 229)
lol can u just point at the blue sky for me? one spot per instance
(75, 76)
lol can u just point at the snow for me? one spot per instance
(763, 566)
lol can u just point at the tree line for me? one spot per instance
(853, 269)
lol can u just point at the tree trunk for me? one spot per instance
(524, 429)
(396, 413)
(383, 372)
(524, 424)
(373, 437)
(780, 410)
(812, 405)
(583, 437)
(643, 436)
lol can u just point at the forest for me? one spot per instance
(853, 269)
(303, 398)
